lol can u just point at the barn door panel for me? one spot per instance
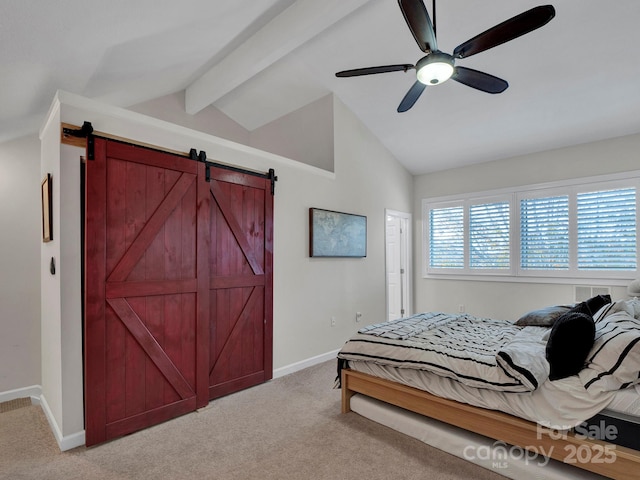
(241, 288)
(147, 281)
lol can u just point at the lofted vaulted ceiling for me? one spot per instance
(572, 81)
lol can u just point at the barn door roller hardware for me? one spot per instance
(86, 131)
(274, 179)
(202, 157)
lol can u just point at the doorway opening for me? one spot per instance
(398, 264)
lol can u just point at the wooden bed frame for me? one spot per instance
(617, 462)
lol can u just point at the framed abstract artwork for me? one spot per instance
(336, 234)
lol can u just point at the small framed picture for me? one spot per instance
(47, 211)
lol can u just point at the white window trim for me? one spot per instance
(515, 273)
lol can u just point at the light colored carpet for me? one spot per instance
(14, 404)
(289, 428)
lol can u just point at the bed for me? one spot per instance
(512, 393)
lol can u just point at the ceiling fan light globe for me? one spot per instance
(435, 68)
(435, 73)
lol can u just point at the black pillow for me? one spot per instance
(596, 303)
(570, 341)
(591, 306)
(581, 307)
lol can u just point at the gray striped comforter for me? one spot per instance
(479, 352)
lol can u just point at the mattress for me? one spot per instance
(626, 403)
(619, 422)
(561, 404)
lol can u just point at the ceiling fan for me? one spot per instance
(437, 67)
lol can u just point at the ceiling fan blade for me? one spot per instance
(479, 80)
(417, 18)
(508, 30)
(411, 97)
(373, 70)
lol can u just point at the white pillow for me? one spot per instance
(634, 305)
(631, 307)
(614, 360)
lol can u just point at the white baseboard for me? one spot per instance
(34, 392)
(64, 442)
(309, 362)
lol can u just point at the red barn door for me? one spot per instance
(146, 289)
(241, 301)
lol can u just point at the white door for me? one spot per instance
(398, 261)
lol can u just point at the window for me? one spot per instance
(489, 245)
(544, 233)
(607, 230)
(567, 231)
(446, 242)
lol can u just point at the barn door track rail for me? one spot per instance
(202, 157)
(71, 135)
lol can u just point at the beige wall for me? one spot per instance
(509, 300)
(20, 238)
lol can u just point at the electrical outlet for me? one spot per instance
(461, 308)
(333, 321)
(358, 316)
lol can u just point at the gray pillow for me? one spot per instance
(544, 317)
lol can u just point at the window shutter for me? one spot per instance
(544, 233)
(566, 230)
(607, 230)
(489, 246)
(446, 237)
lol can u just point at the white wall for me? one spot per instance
(60, 293)
(51, 339)
(508, 300)
(307, 292)
(20, 238)
(305, 135)
(171, 108)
